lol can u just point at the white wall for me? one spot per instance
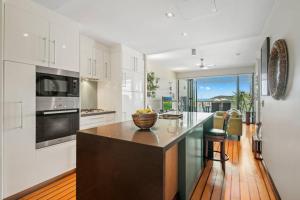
(215, 72)
(281, 127)
(165, 76)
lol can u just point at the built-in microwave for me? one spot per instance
(52, 82)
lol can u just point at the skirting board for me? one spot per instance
(271, 181)
(39, 186)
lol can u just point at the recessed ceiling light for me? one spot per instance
(184, 34)
(170, 14)
(25, 34)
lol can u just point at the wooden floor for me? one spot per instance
(64, 189)
(245, 177)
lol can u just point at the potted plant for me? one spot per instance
(246, 105)
(152, 84)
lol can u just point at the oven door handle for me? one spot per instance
(59, 112)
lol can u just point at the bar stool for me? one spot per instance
(216, 135)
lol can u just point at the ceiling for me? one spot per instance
(237, 53)
(143, 25)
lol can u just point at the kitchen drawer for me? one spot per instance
(96, 120)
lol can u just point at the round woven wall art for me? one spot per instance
(278, 69)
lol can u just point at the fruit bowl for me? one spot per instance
(144, 120)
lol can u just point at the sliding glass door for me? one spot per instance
(187, 95)
(218, 93)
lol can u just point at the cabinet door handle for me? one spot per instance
(45, 49)
(90, 66)
(124, 79)
(95, 66)
(20, 126)
(105, 69)
(59, 112)
(135, 64)
(21, 113)
(54, 52)
(134, 59)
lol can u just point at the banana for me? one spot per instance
(144, 111)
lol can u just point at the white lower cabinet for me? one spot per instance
(19, 127)
(96, 120)
(24, 166)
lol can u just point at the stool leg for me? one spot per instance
(206, 151)
(223, 155)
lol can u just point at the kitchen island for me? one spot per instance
(119, 161)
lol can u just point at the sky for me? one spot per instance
(223, 85)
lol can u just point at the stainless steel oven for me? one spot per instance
(57, 106)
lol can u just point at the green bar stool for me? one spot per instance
(216, 135)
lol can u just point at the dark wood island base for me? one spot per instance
(120, 162)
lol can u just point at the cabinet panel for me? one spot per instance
(86, 57)
(128, 81)
(26, 37)
(139, 82)
(64, 47)
(131, 101)
(128, 61)
(128, 106)
(138, 100)
(140, 66)
(19, 127)
(133, 81)
(106, 65)
(99, 71)
(96, 120)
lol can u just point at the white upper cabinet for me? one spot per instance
(106, 67)
(64, 47)
(132, 60)
(86, 57)
(132, 70)
(98, 62)
(94, 60)
(26, 37)
(128, 60)
(139, 64)
(48, 40)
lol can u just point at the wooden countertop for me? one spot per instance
(164, 134)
